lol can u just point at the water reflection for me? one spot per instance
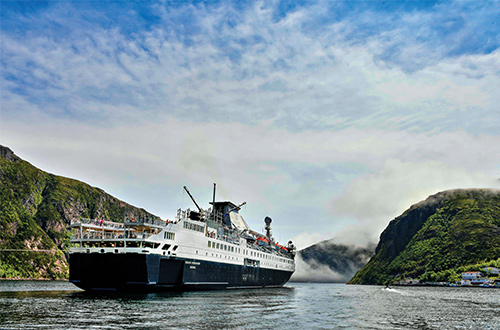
(132, 296)
(296, 306)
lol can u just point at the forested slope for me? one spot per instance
(35, 209)
(437, 239)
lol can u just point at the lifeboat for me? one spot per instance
(261, 241)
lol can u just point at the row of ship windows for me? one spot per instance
(225, 247)
(193, 226)
(248, 262)
(221, 256)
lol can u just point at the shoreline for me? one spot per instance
(34, 279)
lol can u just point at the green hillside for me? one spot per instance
(35, 209)
(438, 239)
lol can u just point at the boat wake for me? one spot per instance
(391, 290)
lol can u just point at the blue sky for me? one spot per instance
(332, 117)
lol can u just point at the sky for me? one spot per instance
(331, 117)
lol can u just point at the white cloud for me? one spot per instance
(311, 122)
(306, 239)
(375, 199)
(315, 272)
(325, 80)
(283, 174)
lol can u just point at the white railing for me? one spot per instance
(98, 223)
(96, 235)
(77, 235)
(118, 225)
(145, 221)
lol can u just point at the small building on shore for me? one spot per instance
(480, 281)
(491, 270)
(409, 281)
(471, 275)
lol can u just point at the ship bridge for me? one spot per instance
(228, 213)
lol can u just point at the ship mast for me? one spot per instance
(192, 198)
(213, 205)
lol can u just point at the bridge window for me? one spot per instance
(169, 235)
(193, 226)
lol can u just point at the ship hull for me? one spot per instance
(152, 272)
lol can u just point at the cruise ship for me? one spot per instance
(198, 250)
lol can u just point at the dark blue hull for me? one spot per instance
(150, 272)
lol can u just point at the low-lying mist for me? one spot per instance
(330, 262)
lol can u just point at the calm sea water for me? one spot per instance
(59, 305)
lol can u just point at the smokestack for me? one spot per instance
(268, 221)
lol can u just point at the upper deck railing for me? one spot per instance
(118, 225)
(145, 222)
(110, 225)
(107, 235)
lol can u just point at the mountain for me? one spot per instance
(330, 262)
(438, 239)
(35, 209)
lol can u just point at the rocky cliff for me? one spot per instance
(35, 210)
(437, 239)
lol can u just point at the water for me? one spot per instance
(59, 305)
